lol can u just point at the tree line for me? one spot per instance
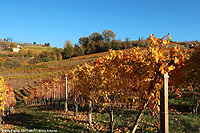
(97, 42)
(94, 43)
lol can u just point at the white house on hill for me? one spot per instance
(15, 49)
(18, 46)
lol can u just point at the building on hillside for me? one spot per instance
(15, 49)
(42, 44)
(191, 45)
(18, 46)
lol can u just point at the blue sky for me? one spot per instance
(55, 21)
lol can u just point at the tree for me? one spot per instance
(57, 52)
(108, 34)
(116, 45)
(141, 39)
(76, 50)
(81, 50)
(107, 46)
(127, 39)
(68, 50)
(12, 45)
(68, 42)
(47, 44)
(96, 37)
(83, 41)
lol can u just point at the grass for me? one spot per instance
(46, 117)
(181, 118)
(181, 123)
(32, 118)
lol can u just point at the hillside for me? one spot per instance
(5, 47)
(30, 73)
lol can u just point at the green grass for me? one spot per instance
(10, 50)
(181, 104)
(47, 117)
(187, 123)
(33, 118)
(182, 120)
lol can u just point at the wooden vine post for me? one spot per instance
(50, 96)
(59, 96)
(164, 120)
(47, 96)
(42, 98)
(54, 95)
(66, 108)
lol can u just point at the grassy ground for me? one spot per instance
(51, 118)
(181, 118)
(33, 118)
(181, 123)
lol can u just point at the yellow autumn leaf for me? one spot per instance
(171, 68)
(170, 38)
(165, 42)
(176, 60)
(158, 102)
(176, 48)
(167, 45)
(154, 39)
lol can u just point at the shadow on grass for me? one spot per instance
(71, 107)
(181, 108)
(31, 119)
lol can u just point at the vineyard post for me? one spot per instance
(66, 108)
(112, 123)
(76, 103)
(39, 95)
(164, 120)
(42, 98)
(47, 96)
(54, 96)
(50, 97)
(90, 112)
(59, 97)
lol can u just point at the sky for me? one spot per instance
(55, 21)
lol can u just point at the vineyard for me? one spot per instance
(118, 92)
(29, 73)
